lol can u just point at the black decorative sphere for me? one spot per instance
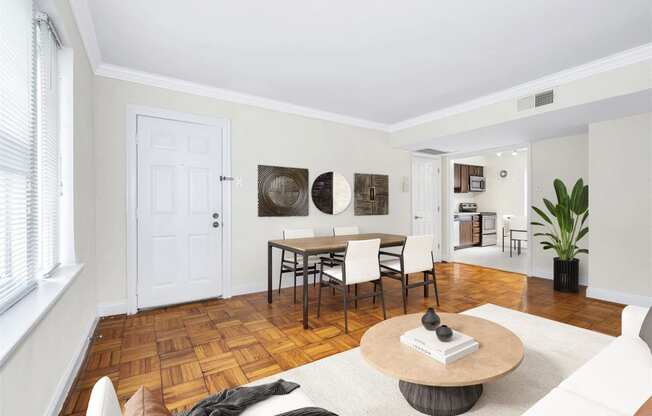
(430, 320)
(444, 333)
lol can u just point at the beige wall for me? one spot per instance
(30, 381)
(258, 137)
(566, 158)
(620, 163)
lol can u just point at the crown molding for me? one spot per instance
(86, 27)
(180, 85)
(608, 63)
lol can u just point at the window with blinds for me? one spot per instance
(49, 188)
(29, 160)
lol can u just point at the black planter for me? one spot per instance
(566, 275)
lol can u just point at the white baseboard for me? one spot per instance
(619, 297)
(65, 383)
(111, 308)
(262, 286)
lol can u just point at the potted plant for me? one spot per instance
(563, 229)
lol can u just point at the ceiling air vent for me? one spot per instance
(433, 152)
(534, 101)
(544, 98)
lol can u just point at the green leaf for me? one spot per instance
(582, 233)
(576, 195)
(551, 207)
(582, 250)
(562, 193)
(552, 236)
(537, 223)
(565, 219)
(583, 202)
(584, 218)
(542, 214)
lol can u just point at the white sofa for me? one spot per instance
(616, 382)
(104, 402)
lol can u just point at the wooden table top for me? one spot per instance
(330, 244)
(500, 352)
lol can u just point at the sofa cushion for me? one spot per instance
(564, 403)
(275, 405)
(145, 403)
(103, 400)
(619, 377)
(646, 329)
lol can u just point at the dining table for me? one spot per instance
(314, 246)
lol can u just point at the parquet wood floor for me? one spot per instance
(186, 352)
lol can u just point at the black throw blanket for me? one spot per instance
(232, 402)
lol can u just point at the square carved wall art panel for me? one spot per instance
(371, 194)
(282, 192)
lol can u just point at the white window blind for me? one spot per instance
(48, 153)
(18, 162)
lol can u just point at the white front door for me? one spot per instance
(179, 208)
(426, 185)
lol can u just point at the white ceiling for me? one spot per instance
(378, 60)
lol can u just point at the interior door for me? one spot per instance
(179, 204)
(426, 186)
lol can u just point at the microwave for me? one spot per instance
(476, 184)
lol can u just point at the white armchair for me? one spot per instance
(632, 320)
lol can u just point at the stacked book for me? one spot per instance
(447, 352)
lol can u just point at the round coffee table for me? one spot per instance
(434, 388)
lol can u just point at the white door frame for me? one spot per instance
(133, 111)
(437, 218)
(449, 195)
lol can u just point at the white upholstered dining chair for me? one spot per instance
(339, 231)
(360, 265)
(416, 257)
(291, 263)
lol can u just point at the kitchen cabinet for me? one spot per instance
(466, 233)
(477, 230)
(469, 232)
(461, 174)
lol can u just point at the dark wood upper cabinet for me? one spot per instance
(461, 175)
(464, 179)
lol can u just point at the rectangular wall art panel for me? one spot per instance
(282, 192)
(371, 194)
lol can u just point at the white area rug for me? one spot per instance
(347, 385)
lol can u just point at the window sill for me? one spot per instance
(21, 319)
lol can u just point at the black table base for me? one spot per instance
(440, 401)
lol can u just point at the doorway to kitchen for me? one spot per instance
(487, 207)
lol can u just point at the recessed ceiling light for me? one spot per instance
(514, 153)
(499, 154)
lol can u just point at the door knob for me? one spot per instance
(216, 224)
(416, 217)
